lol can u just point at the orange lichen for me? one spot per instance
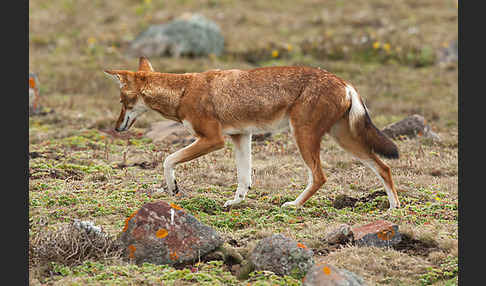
(326, 270)
(175, 206)
(386, 234)
(31, 82)
(128, 219)
(131, 251)
(174, 255)
(161, 233)
(301, 245)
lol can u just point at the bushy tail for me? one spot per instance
(362, 127)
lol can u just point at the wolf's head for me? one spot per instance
(131, 86)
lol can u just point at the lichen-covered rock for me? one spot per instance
(323, 274)
(411, 126)
(33, 93)
(379, 233)
(163, 233)
(282, 255)
(188, 35)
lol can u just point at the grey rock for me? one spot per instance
(282, 255)
(450, 53)
(160, 233)
(169, 131)
(323, 274)
(411, 126)
(33, 93)
(340, 235)
(188, 35)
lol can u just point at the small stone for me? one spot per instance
(340, 235)
(411, 127)
(323, 274)
(168, 131)
(380, 233)
(282, 255)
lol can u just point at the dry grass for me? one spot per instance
(69, 245)
(74, 173)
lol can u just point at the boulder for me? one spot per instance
(324, 274)
(163, 233)
(379, 233)
(411, 126)
(33, 93)
(282, 255)
(189, 35)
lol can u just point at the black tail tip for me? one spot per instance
(391, 155)
(387, 149)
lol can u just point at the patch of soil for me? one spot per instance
(325, 250)
(55, 174)
(261, 137)
(343, 201)
(416, 247)
(121, 135)
(33, 155)
(233, 242)
(142, 165)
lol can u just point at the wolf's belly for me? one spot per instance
(255, 127)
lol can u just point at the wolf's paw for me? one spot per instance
(289, 204)
(232, 202)
(393, 206)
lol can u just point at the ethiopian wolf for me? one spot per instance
(239, 103)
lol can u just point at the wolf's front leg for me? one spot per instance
(201, 146)
(242, 144)
(169, 174)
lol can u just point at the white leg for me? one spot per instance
(169, 172)
(391, 198)
(243, 166)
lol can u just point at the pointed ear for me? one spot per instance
(115, 76)
(144, 65)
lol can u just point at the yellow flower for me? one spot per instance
(386, 47)
(274, 53)
(289, 47)
(91, 40)
(376, 45)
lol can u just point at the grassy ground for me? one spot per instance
(388, 51)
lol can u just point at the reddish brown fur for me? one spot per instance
(216, 102)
